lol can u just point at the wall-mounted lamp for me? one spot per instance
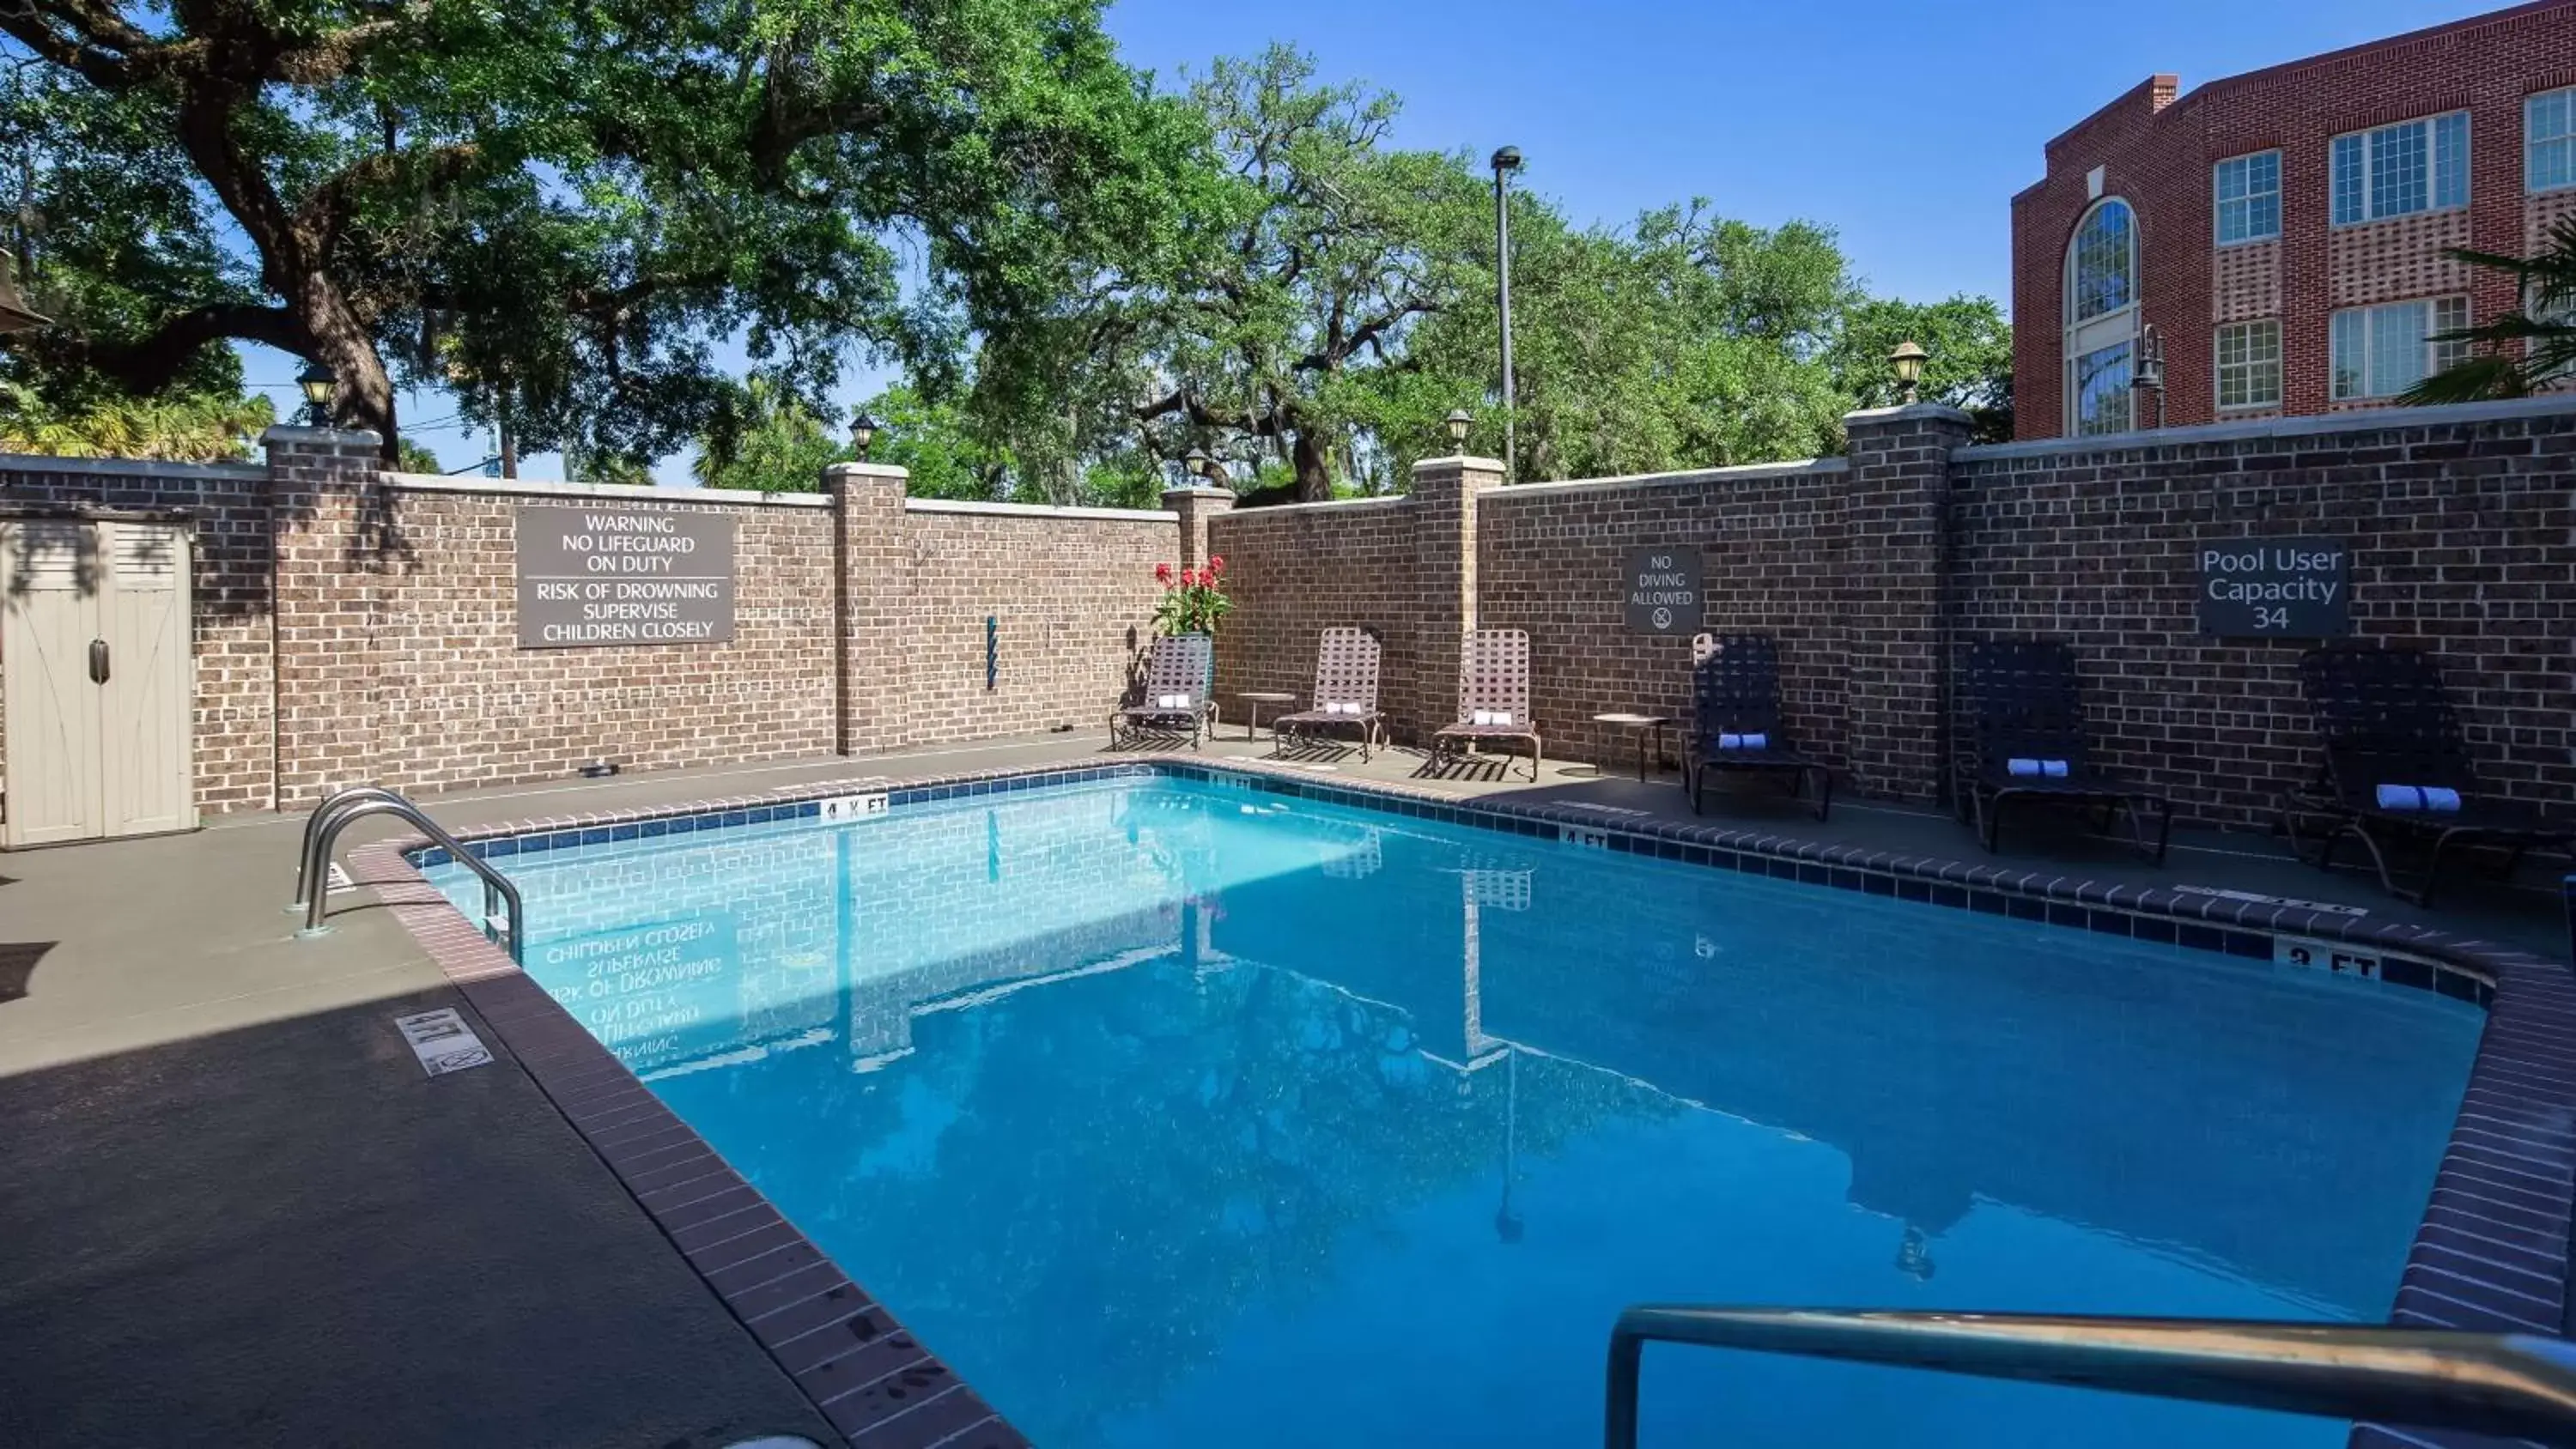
(1908, 360)
(320, 385)
(15, 314)
(2151, 367)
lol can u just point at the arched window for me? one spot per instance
(2101, 318)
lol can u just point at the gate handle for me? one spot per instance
(98, 661)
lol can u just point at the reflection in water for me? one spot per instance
(1177, 1115)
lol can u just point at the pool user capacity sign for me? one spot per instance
(591, 576)
(1661, 586)
(2280, 588)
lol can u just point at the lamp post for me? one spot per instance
(1194, 465)
(1506, 161)
(1456, 426)
(319, 385)
(863, 432)
(1908, 359)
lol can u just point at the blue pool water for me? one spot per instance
(1178, 1114)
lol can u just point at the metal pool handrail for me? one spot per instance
(2513, 1385)
(331, 805)
(348, 807)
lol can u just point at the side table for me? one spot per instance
(1649, 729)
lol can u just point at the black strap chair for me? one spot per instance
(2396, 771)
(2029, 713)
(1735, 699)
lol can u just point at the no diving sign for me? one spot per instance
(1662, 589)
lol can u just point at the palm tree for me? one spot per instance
(185, 428)
(2521, 352)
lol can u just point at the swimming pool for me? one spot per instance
(1175, 1112)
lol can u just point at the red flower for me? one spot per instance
(1216, 563)
(1189, 578)
(1162, 573)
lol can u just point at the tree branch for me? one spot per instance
(1364, 335)
(149, 363)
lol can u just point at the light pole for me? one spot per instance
(863, 433)
(1506, 161)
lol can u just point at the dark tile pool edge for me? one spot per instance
(862, 1371)
(2491, 1252)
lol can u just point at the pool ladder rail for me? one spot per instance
(346, 807)
(2513, 1385)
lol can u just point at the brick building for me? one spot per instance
(2283, 232)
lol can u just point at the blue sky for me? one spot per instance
(1905, 127)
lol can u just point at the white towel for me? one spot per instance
(2053, 769)
(1172, 701)
(1341, 706)
(1493, 717)
(2419, 797)
(1744, 742)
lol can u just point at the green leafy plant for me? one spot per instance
(2526, 350)
(1193, 599)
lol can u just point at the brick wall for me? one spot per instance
(353, 626)
(1296, 571)
(226, 509)
(2464, 542)
(382, 644)
(1071, 593)
(1771, 547)
(451, 699)
(2461, 521)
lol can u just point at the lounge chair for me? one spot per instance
(1735, 719)
(1346, 663)
(1493, 698)
(2030, 745)
(2397, 769)
(1177, 699)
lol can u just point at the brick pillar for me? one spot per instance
(1895, 528)
(323, 610)
(1196, 506)
(873, 562)
(1443, 504)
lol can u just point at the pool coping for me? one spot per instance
(2491, 1251)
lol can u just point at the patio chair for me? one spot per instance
(2029, 713)
(1346, 662)
(1735, 719)
(1493, 698)
(2397, 770)
(1178, 697)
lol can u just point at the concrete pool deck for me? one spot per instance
(242, 1213)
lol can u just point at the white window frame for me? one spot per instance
(2369, 140)
(2084, 337)
(2219, 364)
(2437, 355)
(2564, 140)
(2127, 393)
(2219, 200)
